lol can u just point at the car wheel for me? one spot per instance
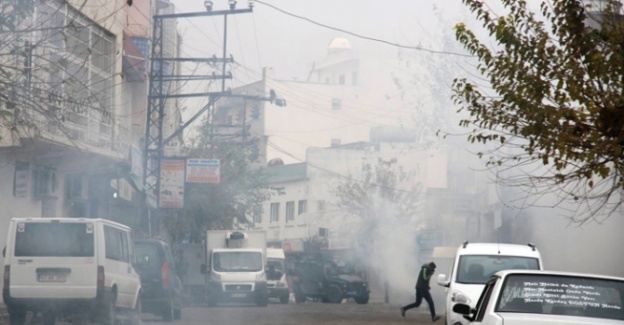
(17, 317)
(334, 294)
(48, 318)
(362, 299)
(168, 311)
(108, 314)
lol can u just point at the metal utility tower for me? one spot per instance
(155, 140)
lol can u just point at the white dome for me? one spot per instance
(339, 43)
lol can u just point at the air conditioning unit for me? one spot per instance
(235, 239)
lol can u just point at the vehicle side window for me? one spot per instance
(117, 244)
(125, 246)
(484, 300)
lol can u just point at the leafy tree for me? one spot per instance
(556, 78)
(226, 205)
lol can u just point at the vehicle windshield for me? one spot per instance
(477, 269)
(54, 239)
(148, 255)
(275, 268)
(562, 295)
(237, 261)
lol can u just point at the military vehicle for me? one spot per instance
(328, 283)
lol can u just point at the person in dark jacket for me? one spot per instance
(422, 291)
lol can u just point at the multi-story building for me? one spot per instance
(70, 141)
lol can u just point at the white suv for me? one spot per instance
(474, 264)
(67, 266)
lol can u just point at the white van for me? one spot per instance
(473, 265)
(68, 266)
(276, 275)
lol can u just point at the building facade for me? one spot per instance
(72, 144)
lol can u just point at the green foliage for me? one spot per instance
(239, 195)
(558, 85)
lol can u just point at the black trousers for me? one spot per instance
(420, 294)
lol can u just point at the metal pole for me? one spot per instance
(244, 121)
(224, 50)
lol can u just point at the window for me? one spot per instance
(290, 211)
(45, 181)
(475, 269)
(336, 104)
(54, 239)
(257, 215)
(116, 244)
(554, 294)
(275, 212)
(75, 187)
(342, 79)
(302, 207)
(321, 205)
(237, 261)
(80, 60)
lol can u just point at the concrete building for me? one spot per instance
(340, 102)
(72, 144)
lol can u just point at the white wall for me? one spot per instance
(293, 191)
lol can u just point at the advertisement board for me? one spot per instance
(171, 183)
(203, 170)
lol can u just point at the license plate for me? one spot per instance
(51, 278)
(239, 295)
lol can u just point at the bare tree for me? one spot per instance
(382, 194)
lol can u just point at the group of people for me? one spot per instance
(422, 291)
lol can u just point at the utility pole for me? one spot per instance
(157, 95)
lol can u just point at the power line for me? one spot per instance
(362, 36)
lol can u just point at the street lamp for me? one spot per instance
(232, 4)
(208, 5)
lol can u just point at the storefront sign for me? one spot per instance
(171, 183)
(203, 170)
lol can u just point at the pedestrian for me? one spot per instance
(422, 291)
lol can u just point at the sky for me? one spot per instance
(269, 37)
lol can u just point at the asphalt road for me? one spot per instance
(298, 314)
(278, 314)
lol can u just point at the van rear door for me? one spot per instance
(53, 259)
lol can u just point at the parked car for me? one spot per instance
(328, 283)
(66, 266)
(276, 275)
(162, 287)
(520, 297)
(473, 265)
